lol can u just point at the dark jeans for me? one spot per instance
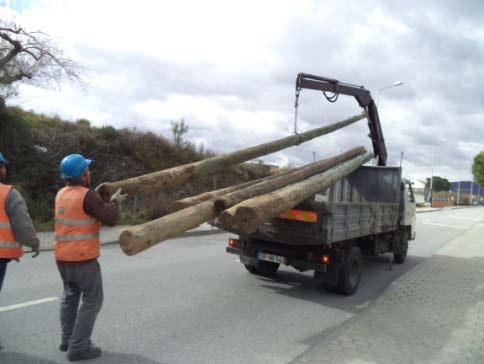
(3, 269)
(77, 323)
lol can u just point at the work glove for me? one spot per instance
(35, 251)
(119, 197)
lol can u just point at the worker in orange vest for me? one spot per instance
(79, 212)
(16, 228)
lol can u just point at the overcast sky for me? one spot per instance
(228, 68)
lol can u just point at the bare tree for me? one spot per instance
(32, 57)
(179, 129)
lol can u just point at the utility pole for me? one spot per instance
(458, 192)
(471, 199)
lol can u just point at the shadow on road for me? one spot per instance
(125, 358)
(376, 277)
(7, 357)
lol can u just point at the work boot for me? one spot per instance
(90, 353)
(63, 346)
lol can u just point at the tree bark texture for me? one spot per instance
(141, 237)
(294, 176)
(248, 215)
(181, 174)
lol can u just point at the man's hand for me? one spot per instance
(35, 251)
(119, 197)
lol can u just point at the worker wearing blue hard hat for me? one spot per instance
(79, 212)
(16, 228)
(73, 166)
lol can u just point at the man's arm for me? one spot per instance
(20, 220)
(106, 212)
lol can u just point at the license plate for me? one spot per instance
(271, 258)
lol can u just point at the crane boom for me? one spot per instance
(361, 95)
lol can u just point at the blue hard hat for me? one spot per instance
(3, 160)
(73, 166)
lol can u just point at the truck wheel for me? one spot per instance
(263, 269)
(350, 272)
(401, 249)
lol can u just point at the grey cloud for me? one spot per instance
(439, 59)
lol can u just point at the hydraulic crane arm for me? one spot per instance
(361, 95)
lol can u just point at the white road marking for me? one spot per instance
(27, 304)
(445, 225)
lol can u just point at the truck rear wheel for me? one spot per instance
(263, 269)
(401, 249)
(350, 273)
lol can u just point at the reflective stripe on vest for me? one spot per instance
(75, 222)
(9, 248)
(299, 215)
(76, 237)
(76, 233)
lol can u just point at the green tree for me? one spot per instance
(478, 168)
(439, 184)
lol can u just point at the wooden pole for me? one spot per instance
(194, 200)
(297, 175)
(181, 174)
(141, 237)
(248, 215)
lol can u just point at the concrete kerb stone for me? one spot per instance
(432, 209)
(109, 235)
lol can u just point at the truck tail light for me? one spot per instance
(234, 243)
(325, 259)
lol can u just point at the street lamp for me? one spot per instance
(394, 84)
(442, 140)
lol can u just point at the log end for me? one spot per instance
(242, 219)
(131, 244)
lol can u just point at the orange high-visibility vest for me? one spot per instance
(76, 233)
(9, 247)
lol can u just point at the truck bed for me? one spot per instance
(366, 202)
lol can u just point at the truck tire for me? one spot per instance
(350, 273)
(401, 249)
(263, 269)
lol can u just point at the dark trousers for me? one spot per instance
(3, 270)
(77, 323)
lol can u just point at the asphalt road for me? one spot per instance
(187, 301)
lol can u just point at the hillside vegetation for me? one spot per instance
(35, 145)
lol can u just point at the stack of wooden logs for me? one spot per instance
(243, 207)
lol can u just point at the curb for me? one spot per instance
(186, 234)
(444, 209)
